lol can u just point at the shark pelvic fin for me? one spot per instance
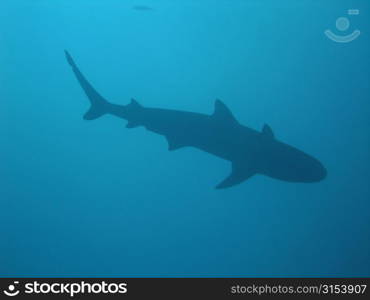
(132, 125)
(238, 175)
(267, 131)
(174, 144)
(223, 112)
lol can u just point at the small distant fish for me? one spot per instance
(142, 7)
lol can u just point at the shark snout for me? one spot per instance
(321, 172)
(299, 168)
(315, 171)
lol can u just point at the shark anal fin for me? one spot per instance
(238, 175)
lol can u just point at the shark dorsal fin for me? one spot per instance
(223, 112)
(267, 131)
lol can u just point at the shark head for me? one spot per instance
(290, 164)
(309, 170)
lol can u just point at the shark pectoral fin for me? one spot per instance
(238, 175)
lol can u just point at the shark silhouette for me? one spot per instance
(249, 151)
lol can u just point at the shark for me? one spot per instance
(249, 151)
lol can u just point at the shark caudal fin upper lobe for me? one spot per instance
(99, 106)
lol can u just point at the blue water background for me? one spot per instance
(92, 198)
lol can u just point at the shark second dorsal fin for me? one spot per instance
(223, 112)
(238, 174)
(134, 103)
(267, 131)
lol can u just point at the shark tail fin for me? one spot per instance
(95, 111)
(99, 106)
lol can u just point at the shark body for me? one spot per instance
(249, 151)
